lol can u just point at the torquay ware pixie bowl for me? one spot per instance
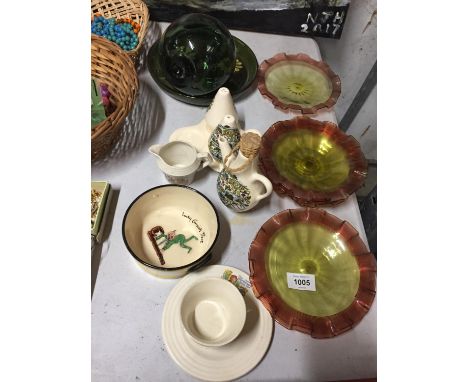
(213, 312)
(297, 82)
(313, 242)
(312, 162)
(170, 230)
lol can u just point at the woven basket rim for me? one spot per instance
(109, 61)
(100, 128)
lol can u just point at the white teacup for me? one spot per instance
(179, 161)
(213, 312)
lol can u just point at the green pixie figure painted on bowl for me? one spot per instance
(171, 238)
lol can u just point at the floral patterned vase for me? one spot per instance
(229, 131)
(240, 187)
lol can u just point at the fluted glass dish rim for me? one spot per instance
(317, 327)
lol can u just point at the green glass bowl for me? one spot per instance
(298, 83)
(198, 54)
(313, 242)
(313, 162)
(242, 77)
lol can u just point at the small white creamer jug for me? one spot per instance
(179, 161)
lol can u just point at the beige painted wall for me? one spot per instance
(352, 57)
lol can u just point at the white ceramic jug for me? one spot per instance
(179, 161)
(198, 135)
(240, 186)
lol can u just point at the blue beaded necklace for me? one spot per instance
(120, 33)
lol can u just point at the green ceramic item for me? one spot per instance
(240, 80)
(312, 249)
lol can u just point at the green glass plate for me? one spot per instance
(243, 76)
(312, 272)
(298, 83)
(311, 249)
(313, 162)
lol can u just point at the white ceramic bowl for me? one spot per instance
(213, 312)
(190, 223)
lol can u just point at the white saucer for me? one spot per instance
(222, 363)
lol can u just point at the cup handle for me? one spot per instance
(266, 183)
(205, 160)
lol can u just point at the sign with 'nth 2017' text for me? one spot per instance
(325, 22)
(314, 18)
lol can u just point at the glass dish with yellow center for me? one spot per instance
(298, 83)
(313, 245)
(313, 162)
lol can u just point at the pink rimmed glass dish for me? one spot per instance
(312, 162)
(298, 83)
(313, 243)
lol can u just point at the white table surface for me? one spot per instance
(127, 303)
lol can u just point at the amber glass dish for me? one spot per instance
(312, 162)
(298, 83)
(312, 241)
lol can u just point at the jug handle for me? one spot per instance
(266, 183)
(205, 160)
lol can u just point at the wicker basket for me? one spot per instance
(110, 65)
(134, 9)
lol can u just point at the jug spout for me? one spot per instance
(155, 150)
(222, 104)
